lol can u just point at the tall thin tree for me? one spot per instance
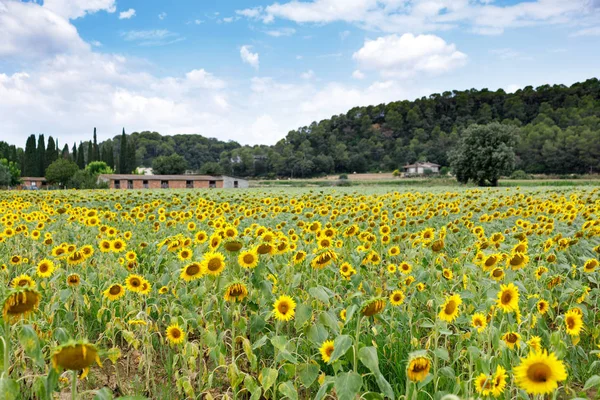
(123, 162)
(41, 155)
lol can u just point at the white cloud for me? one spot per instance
(308, 74)
(29, 31)
(402, 16)
(156, 37)
(248, 57)
(406, 55)
(72, 9)
(281, 32)
(203, 79)
(358, 74)
(595, 31)
(127, 14)
(228, 19)
(162, 15)
(198, 21)
(255, 13)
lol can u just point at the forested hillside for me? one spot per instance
(559, 134)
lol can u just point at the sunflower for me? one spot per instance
(284, 308)
(484, 384)
(479, 322)
(20, 302)
(539, 373)
(491, 385)
(418, 367)
(535, 343)
(16, 260)
(117, 245)
(75, 258)
(346, 270)
(405, 268)
(508, 298)
(497, 274)
(391, 268)
(114, 292)
(75, 356)
(447, 273)
(397, 297)
(233, 245)
(542, 306)
(175, 334)
(73, 280)
(105, 246)
(299, 257)
(540, 271)
(449, 310)
(248, 259)
(191, 272)
(517, 261)
(343, 315)
(499, 381)
(163, 290)
(573, 322)
(373, 307)
(184, 254)
(22, 281)
(213, 263)
(511, 339)
(146, 287)
(590, 265)
(326, 350)
(235, 292)
(134, 283)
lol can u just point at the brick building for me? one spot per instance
(125, 181)
(33, 183)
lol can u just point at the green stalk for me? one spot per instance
(6, 342)
(356, 338)
(74, 386)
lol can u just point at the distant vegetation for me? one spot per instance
(558, 133)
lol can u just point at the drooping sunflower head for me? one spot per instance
(284, 308)
(590, 265)
(235, 292)
(450, 309)
(75, 356)
(20, 302)
(326, 350)
(418, 367)
(191, 272)
(233, 245)
(373, 306)
(539, 373)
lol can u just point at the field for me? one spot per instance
(401, 293)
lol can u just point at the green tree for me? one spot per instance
(51, 152)
(41, 156)
(169, 165)
(5, 176)
(484, 153)
(61, 171)
(211, 168)
(90, 153)
(98, 167)
(96, 149)
(80, 156)
(30, 165)
(123, 164)
(65, 152)
(13, 169)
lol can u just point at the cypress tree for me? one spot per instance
(41, 154)
(96, 153)
(90, 153)
(51, 154)
(74, 152)
(80, 156)
(65, 152)
(30, 165)
(131, 161)
(110, 156)
(123, 163)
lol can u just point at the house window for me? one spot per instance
(117, 184)
(212, 184)
(189, 184)
(145, 184)
(164, 184)
(130, 184)
(33, 184)
(235, 184)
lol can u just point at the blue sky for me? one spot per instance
(251, 71)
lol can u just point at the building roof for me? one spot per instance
(134, 177)
(421, 164)
(33, 178)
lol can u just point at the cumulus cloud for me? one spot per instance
(248, 57)
(127, 14)
(406, 55)
(72, 9)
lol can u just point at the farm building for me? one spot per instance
(33, 183)
(420, 168)
(125, 181)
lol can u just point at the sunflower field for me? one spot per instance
(300, 294)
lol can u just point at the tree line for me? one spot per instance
(558, 133)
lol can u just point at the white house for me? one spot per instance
(420, 168)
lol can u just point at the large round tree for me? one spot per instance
(484, 153)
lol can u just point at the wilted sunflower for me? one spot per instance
(508, 298)
(373, 307)
(75, 356)
(235, 292)
(573, 322)
(326, 350)
(114, 292)
(397, 297)
(20, 302)
(418, 367)
(134, 282)
(75, 258)
(450, 308)
(233, 245)
(590, 265)
(213, 263)
(323, 258)
(284, 308)
(22, 281)
(248, 259)
(175, 334)
(479, 322)
(539, 373)
(191, 272)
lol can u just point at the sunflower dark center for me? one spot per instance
(506, 297)
(248, 258)
(539, 372)
(193, 269)
(450, 307)
(214, 264)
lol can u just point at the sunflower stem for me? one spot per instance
(6, 342)
(74, 386)
(356, 338)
